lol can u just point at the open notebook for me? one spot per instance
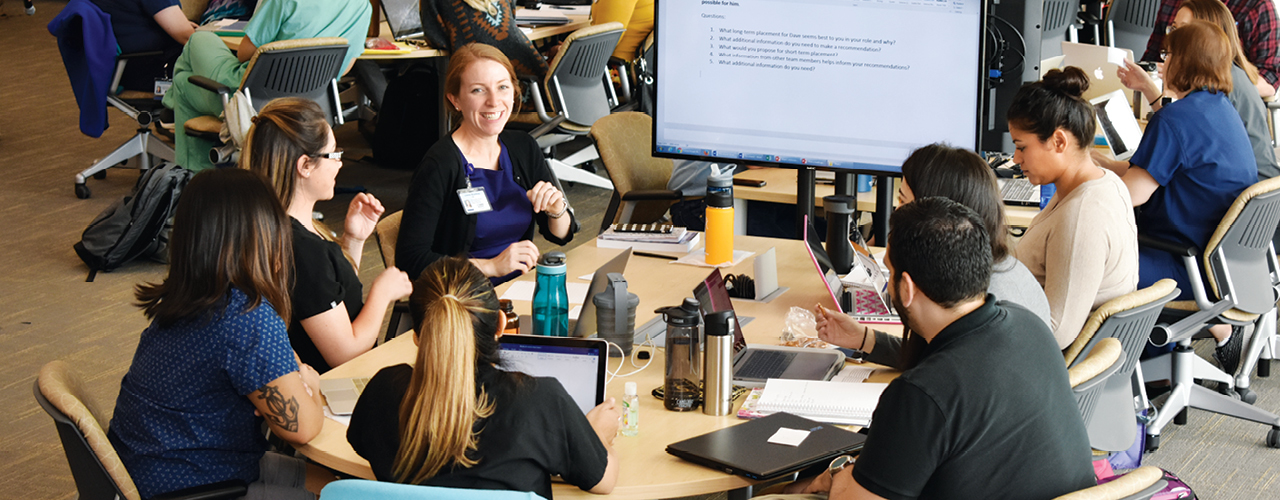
(824, 401)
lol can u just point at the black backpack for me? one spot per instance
(137, 225)
(408, 120)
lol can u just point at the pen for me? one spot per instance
(654, 255)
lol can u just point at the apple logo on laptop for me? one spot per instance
(1098, 74)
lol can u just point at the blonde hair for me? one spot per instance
(1214, 11)
(456, 311)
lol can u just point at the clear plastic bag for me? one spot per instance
(801, 330)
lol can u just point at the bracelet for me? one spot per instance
(562, 211)
(1154, 101)
(865, 331)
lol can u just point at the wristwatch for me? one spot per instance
(839, 463)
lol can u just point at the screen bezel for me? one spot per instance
(980, 76)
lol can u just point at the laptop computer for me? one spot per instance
(745, 450)
(1099, 64)
(404, 19)
(1117, 124)
(544, 16)
(579, 364)
(1019, 192)
(585, 326)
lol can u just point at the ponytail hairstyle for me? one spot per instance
(456, 311)
(1054, 103)
(1199, 58)
(229, 230)
(1215, 12)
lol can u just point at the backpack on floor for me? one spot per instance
(407, 121)
(137, 225)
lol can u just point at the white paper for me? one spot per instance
(342, 419)
(523, 290)
(853, 373)
(1117, 56)
(587, 277)
(789, 437)
(699, 258)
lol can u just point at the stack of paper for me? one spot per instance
(841, 403)
(658, 239)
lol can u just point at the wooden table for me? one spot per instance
(647, 471)
(780, 187)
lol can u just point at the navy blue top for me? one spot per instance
(182, 418)
(135, 25)
(511, 213)
(1199, 152)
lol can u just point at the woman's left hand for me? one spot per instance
(362, 216)
(546, 198)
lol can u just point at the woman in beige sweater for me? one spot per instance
(1083, 247)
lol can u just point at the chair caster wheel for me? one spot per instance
(1273, 437)
(1153, 442)
(1247, 395)
(82, 191)
(100, 175)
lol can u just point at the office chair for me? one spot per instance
(575, 89)
(1138, 484)
(639, 179)
(1059, 26)
(360, 489)
(387, 232)
(82, 57)
(1130, 23)
(1273, 116)
(98, 472)
(307, 67)
(1088, 377)
(1241, 270)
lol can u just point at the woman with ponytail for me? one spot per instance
(454, 419)
(1083, 247)
(292, 146)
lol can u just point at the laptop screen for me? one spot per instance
(579, 364)
(403, 17)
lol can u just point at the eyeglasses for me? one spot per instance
(336, 155)
(1164, 55)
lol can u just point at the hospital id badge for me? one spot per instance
(474, 201)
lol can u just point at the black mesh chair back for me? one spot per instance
(575, 85)
(307, 71)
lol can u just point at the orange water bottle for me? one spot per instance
(720, 217)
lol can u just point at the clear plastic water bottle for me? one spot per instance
(630, 410)
(550, 299)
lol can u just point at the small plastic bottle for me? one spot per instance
(630, 410)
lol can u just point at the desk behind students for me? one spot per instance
(647, 471)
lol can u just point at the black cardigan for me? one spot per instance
(434, 224)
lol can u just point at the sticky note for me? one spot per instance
(789, 437)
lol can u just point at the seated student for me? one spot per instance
(292, 145)
(635, 15)
(450, 24)
(1243, 96)
(1255, 23)
(147, 26)
(963, 177)
(217, 355)
(1194, 159)
(1083, 247)
(206, 55)
(984, 410)
(507, 168)
(456, 419)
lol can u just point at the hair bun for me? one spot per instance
(1070, 80)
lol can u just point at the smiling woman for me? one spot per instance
(481, 190)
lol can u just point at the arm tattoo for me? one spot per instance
(283, 413)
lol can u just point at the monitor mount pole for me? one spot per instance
(804, 198)
(884, 208)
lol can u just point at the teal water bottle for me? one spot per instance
(550, 299)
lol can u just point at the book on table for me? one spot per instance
(840, 403)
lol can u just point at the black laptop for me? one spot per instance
(745, 450)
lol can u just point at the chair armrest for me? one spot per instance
(546, 127)
(132, 55)
(651, 194)
(226, 489)
(1272, 102)
(210, 85)
(1168, 246)
(535, 93)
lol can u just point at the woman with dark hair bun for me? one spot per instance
(1194, 159)
(1083, 247)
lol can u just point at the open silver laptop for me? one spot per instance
(404, 19)
(1099, 64)
(1019, 191)
(1117, 124)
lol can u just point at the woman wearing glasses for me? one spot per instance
(1194, 159)
(293, 147)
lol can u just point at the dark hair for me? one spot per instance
(962, 176)
(1052, 103)
(461, 59)
(456, 310)
(943, 246)
(229, 230)
(1199, 58)
(285, 130)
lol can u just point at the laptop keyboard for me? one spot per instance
(1017, 189)
(766, 364)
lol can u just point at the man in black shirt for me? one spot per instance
(984, 409)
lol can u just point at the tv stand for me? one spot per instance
(846, 185)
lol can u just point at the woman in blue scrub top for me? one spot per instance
(481, 190)
(1193, 161)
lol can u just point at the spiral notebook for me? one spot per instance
(841, 403)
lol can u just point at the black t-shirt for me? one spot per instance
(987, 413)
(323, 278)
(536, 430)
(135, 26)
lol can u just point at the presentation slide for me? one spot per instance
(834, 83)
